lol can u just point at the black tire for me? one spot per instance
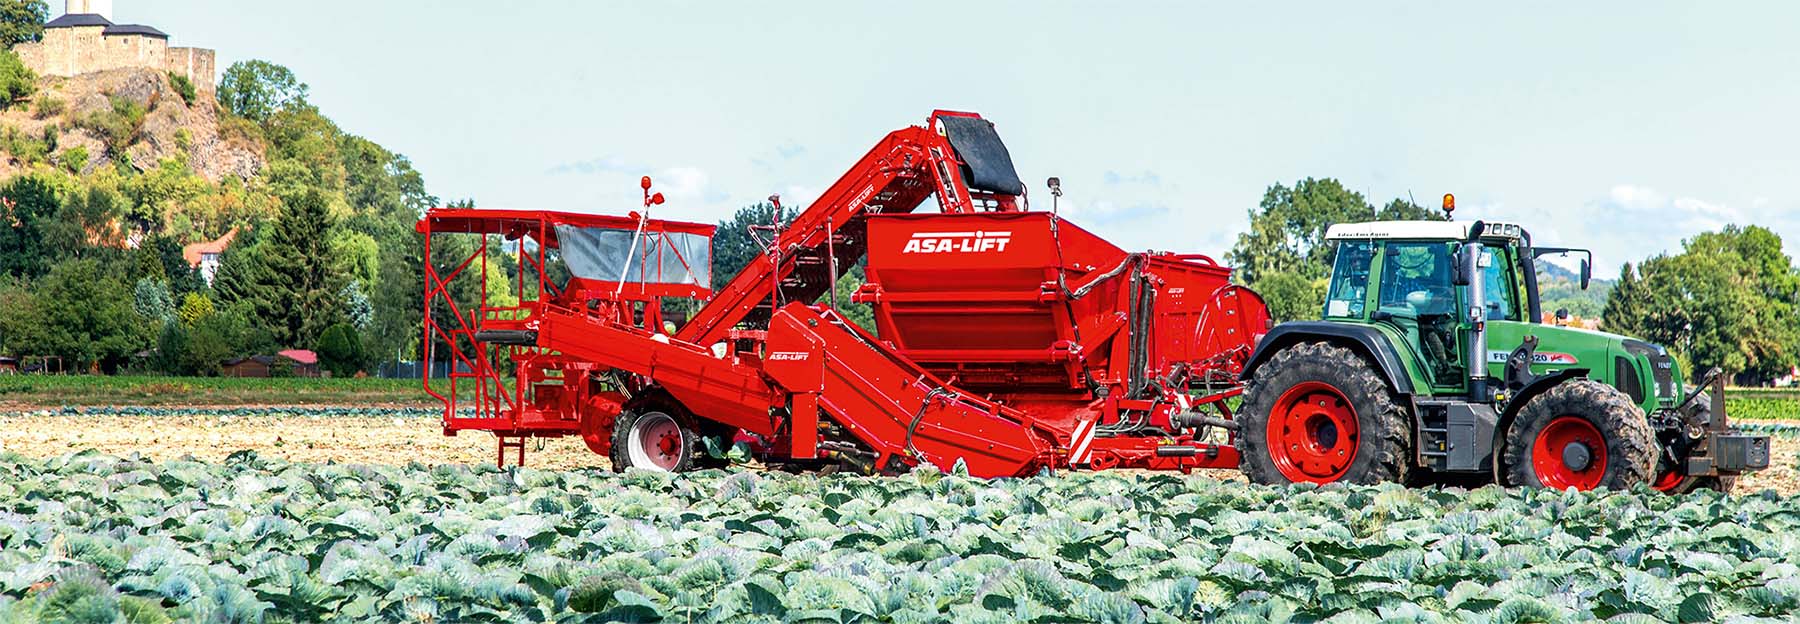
(632, 438)
(1630, 445)
(1383, 433)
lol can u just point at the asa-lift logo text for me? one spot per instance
(958, 242)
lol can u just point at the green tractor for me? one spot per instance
(1432, 366)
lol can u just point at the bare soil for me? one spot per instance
(404, 440)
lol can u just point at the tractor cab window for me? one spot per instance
(1350, 280)
(1415, 280)
(1498, 286)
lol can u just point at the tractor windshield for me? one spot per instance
(1350, 279)
(1415, 279)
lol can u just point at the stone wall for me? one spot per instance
(196, 64)
(84, 49)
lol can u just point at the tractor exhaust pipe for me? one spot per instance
(1471, 262)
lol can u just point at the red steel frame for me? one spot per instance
(1073, 352)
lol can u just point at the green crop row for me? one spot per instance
(89, 537)
(1755, 407)
(56, 390)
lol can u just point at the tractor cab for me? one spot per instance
(1420, 279)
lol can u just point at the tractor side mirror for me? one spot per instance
(1587, 273)
(1465, 269)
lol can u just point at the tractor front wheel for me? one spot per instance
(653, 440)
(1319, 413)
(1582, 434)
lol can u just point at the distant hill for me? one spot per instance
(1560, 288)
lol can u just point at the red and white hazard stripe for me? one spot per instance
(1083, 439)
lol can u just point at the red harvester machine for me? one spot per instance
(1008, 339)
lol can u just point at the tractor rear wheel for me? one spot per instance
(654, 440)
(1581, 434)
(1320, 413)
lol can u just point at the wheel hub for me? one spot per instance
(1577, 456)
(1569, 452)
(656, 442)
(1313, 433)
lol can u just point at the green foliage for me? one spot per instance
(81, 312)
(195, 307)
(477, 544)
(138, 394)
(257, 90)
(27, 149)
(170, 185)
(284, 277)
(862, 314)
(1286, 244)
(22, 21)
(17, 82)
(48, 106)
(151, 299)
(357, 308)
(73, 160)
(183, 87)
(734, 247)
(117, 126)
(359, 199)
(1291, 296)
(340, 350)
(28, 206)
(1728, 299)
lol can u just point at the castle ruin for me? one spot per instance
(86, 40)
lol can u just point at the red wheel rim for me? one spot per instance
(1668, 481)
(655, 442)
(1313, 433)
(1569, 453)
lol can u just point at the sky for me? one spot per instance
(1624, 127)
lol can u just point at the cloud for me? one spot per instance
(1147, 178)
(1632, 222)
(604, 164)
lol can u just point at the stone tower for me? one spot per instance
(102, 8)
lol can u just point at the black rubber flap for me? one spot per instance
(986, 164)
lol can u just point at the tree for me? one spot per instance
(1728, 300)
(297, 273)
(1292, 296)
(398, 298)
(256, 90)
(1625, 305)
(22, 21)
(195, 307)
(17, 82)
(87, 316)
(283, 279)
(151, 299)
(733, 246)
(28, 209)
(340, 350)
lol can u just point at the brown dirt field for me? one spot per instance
(402, 440)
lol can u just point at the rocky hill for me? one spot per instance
(145, 116)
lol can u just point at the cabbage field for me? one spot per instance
(89, 537)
